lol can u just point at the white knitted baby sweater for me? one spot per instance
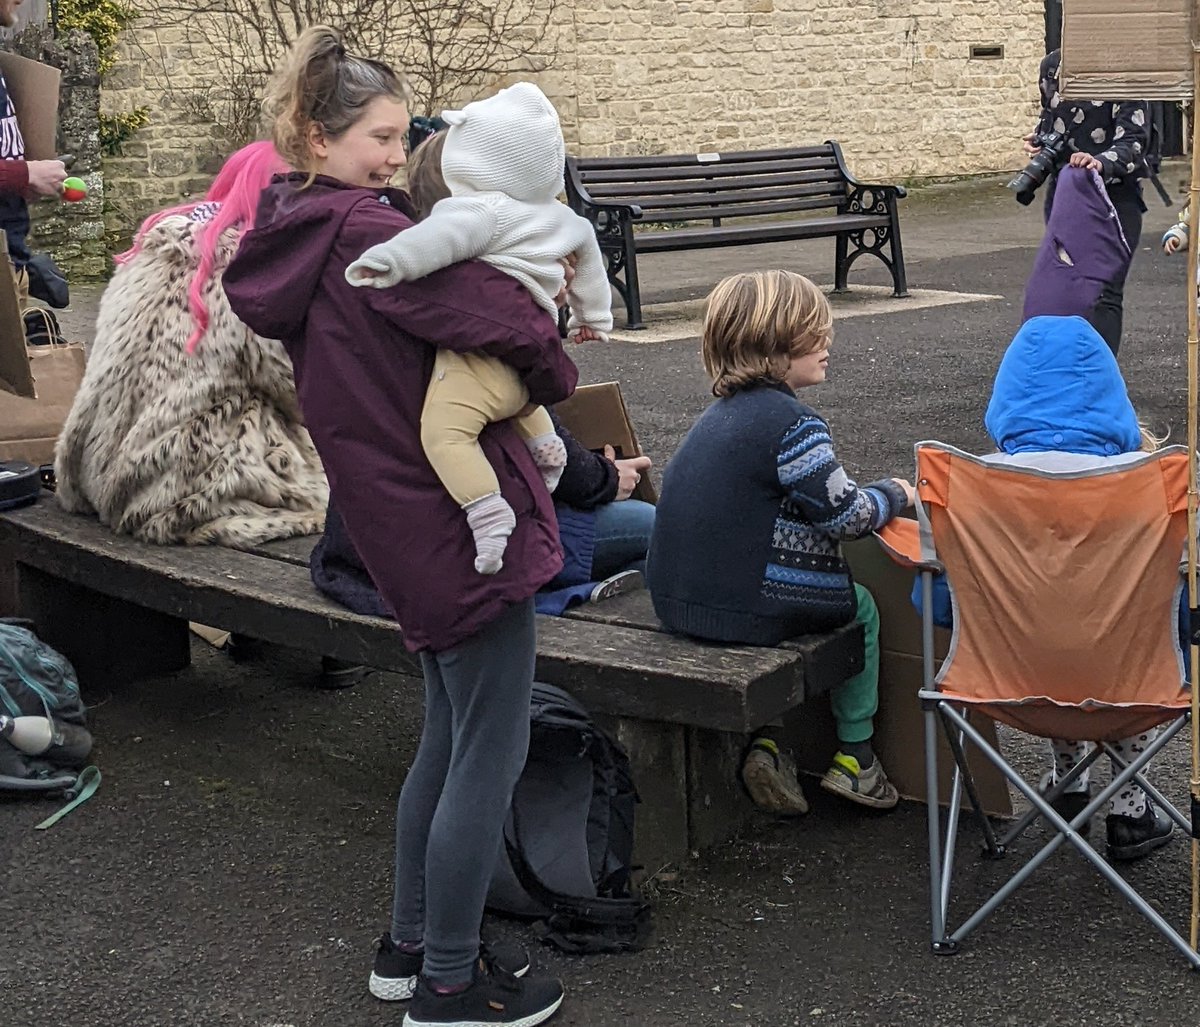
(503, 162)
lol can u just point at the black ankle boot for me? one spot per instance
(1132, 838)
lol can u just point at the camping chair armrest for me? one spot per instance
(900, 539)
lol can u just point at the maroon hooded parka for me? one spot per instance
(362, 360)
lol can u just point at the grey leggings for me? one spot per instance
(456, 797)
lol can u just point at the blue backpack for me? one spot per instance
(38, 681)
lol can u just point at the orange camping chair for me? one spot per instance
(1064, 588)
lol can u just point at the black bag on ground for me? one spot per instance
(37, 681)
(568, 842)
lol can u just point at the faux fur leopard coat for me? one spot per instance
(174, 448)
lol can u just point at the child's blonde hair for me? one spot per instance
(1151, 443)
(754, 323)
(426, 185)
(320, 83)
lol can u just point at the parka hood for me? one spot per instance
(1059, 388)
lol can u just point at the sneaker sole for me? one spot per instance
(541, 1016)
(617, 585)
(392, 989)
(401, 989)
(1128, 853)
(766, 793)
(888, 801)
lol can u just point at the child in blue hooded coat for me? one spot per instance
(1059, 403)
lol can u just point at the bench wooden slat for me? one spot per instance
(739, 235)
(701, 171)
(612, 668)
(738, 191)
(829, 658)
(289, 550)
(702, 212)
(686, 159)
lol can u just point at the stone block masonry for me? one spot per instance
(892, 80)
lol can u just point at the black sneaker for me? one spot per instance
(394, 976)
(1132, 838)
(493, 999)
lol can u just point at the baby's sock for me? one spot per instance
(491, 521)
(550, 455)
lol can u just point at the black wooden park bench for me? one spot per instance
(119, 610)
(762, 191)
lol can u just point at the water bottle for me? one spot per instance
(64, 744)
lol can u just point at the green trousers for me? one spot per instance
(856, 699)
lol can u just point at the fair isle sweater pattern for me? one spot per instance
(822, 507)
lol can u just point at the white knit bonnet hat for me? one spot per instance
(510, 143)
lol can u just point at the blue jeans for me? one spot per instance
(623, 532)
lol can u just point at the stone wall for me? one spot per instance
(72, 232)
(893, 80)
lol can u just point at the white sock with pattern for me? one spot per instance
(550, 454)
(1130, 801)
(491, 521)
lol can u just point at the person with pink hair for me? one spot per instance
(186, 427)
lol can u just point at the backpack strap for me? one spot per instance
(83, 788)
(581, 924)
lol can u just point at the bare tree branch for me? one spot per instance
(448, 48)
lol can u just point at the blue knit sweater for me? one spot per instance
(753, 508)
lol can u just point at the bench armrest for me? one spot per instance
(896, 190)
(580, 200)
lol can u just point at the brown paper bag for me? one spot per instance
(30, 427)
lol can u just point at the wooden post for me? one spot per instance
(1193, 369)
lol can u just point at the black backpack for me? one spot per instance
(568, 842)
(38, 681)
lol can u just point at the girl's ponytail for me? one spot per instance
(320, 83)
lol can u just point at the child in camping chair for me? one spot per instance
(1059, 404)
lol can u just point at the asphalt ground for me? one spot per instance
(235, 867)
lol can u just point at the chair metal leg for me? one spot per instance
(1067, 833)
(991, 847)
(937, 907)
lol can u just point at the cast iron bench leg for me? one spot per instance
(107, 640)
(899, 279)
(840, 268)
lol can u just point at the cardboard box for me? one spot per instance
(34, 90)
(1118, 50)
(597, 416)
(899, 725)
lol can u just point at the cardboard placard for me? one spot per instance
(33, 87)
(1117, 50)
(597, 416)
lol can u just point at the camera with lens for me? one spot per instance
(1040, 167)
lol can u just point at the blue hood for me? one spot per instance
(1059, 388)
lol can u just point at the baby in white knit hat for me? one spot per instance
(502, 161)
